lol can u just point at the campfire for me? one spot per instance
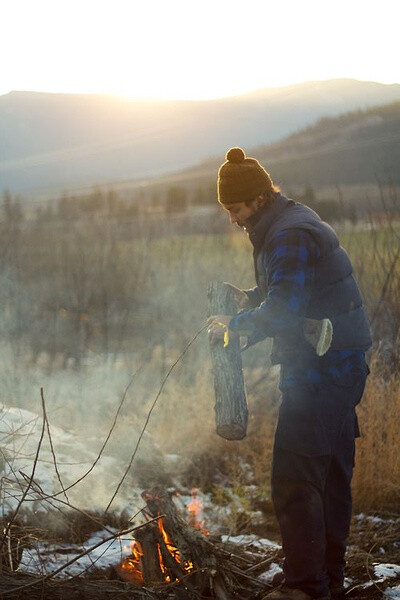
(195, 511)
(169, 549)
(172, 556)
(147, 563)
(175, 551)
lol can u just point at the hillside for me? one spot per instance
(358, 147)
(361, 147)
(63, 141)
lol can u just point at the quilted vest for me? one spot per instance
(335, 293)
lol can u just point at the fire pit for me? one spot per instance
(171, 557)
(170, 549)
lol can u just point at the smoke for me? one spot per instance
(82, 313)
(82, 407)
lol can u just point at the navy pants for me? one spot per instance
(311, 475)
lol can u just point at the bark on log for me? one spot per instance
(190, 545)
(230, 395)
(148, 539)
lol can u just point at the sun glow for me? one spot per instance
(194, 50)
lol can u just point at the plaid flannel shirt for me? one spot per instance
(291, 268)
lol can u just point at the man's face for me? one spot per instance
(239, 212)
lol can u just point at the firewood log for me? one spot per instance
(230, 395)
(148, 538)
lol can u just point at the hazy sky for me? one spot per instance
(193, 49)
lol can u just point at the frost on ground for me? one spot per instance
(373, 519)
(273, 571)
(47, 558)
(385, 571)
(74, 457)
(393, 592)
(64, 459)
(250, 540)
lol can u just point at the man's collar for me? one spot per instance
(262, 220)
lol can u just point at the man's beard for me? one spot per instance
(244, 225)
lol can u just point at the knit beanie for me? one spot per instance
(241, 178)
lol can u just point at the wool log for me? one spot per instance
(230, 395)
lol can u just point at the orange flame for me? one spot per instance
(132, 565)
(195, 511)
(187, 565)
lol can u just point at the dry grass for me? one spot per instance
(188, 411)
(376, 482)
(153, 304)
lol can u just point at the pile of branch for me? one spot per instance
(228, 576)
(14, 586)
(219, 571)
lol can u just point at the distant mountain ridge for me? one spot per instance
(62, 141)
(357, 147)
(362, 146)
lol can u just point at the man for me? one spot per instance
(302, 273)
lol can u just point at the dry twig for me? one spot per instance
(150, 412)
(25, 493)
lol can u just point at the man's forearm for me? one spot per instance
(267, 319)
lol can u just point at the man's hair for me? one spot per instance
(268, 196)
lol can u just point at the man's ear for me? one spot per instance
(260, 200)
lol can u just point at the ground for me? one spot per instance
(373, 569)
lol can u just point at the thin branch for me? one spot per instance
(82, 554)
(385, 285)
(93, 562)
(150, 412)
(43, 498)
(11, 521)
(54, 455)
(387, 211)
(104, 443)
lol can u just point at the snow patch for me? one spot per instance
(385, 571)
(268, 576)
(20, 432)
(46, 558)
(373, 519)
(393, 592)
(250, 540)
(366, 585)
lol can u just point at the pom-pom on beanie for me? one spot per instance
(241, 179)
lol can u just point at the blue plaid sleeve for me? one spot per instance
(290, 266)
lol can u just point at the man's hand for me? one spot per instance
(217, 327)
(242, 299)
